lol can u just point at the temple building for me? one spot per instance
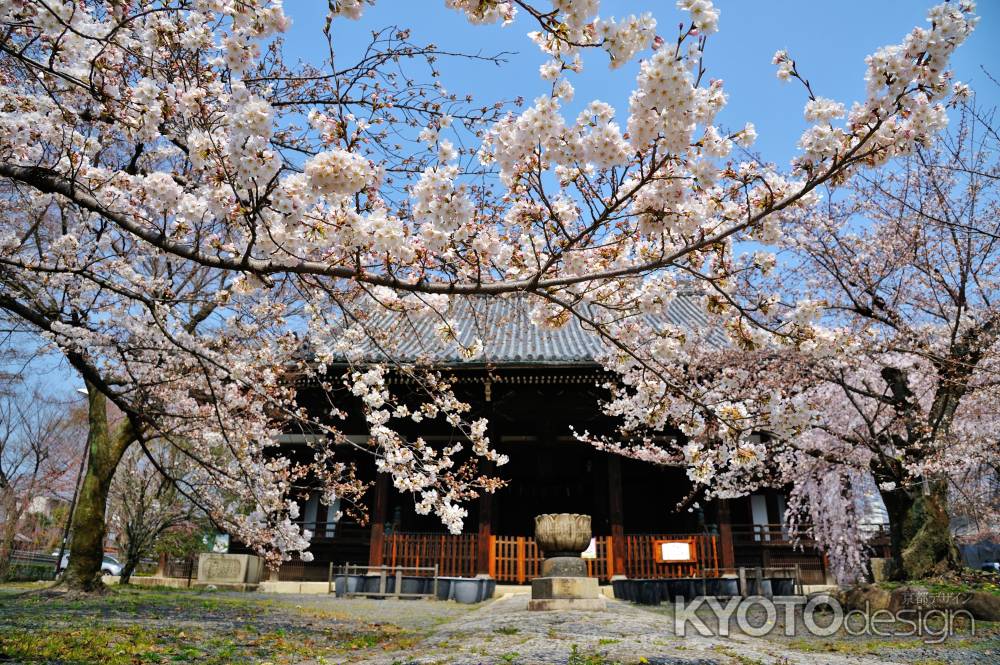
(536, 387)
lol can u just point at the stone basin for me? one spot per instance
(562, 534)
(564, 584)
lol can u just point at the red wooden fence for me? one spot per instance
(454, 555)
(517, 558)
(640, 562)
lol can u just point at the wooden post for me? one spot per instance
(493, 556)
(609, 552)
(520, 560)
(743, 582)
(616, 516)
(726, 535)
(379, 507)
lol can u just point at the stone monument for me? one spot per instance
(564, 584)
(240, 572)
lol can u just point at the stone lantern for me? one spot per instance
(564, 583)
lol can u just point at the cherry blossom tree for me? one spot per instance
(904, 272)
(183, 209)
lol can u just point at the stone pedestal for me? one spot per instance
(565, 593)
(564, 566)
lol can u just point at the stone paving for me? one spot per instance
(504, 631)
(134, 626)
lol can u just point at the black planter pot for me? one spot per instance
(372, 584)
(664, 586)
(649, 592)
(727, 587)
(468, 590)
(412, 584)
(618, 587)
(690, 589)
(444, 587)
(759, 587)
(782, 586)
(345, 584)
(677, 589)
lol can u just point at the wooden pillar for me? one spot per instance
(616, 515)
(726, 535)
(379, 508)
(484, 551)
(484, 534)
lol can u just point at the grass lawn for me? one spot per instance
(132, 626)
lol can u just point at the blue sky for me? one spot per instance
(828, 39)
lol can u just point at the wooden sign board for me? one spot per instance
(674, 551)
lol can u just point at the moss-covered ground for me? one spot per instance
(131, 626)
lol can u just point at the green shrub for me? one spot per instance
(30, 572)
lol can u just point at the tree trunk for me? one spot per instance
(133, 550)
(128, 568)
(105, 449)
(920, 531)
(9, 533)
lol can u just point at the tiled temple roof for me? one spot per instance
(509, 337)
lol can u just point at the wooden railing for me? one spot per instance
(746, 534)
(779, 534)
(454, 555)
(517, 559)
(320, 530)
